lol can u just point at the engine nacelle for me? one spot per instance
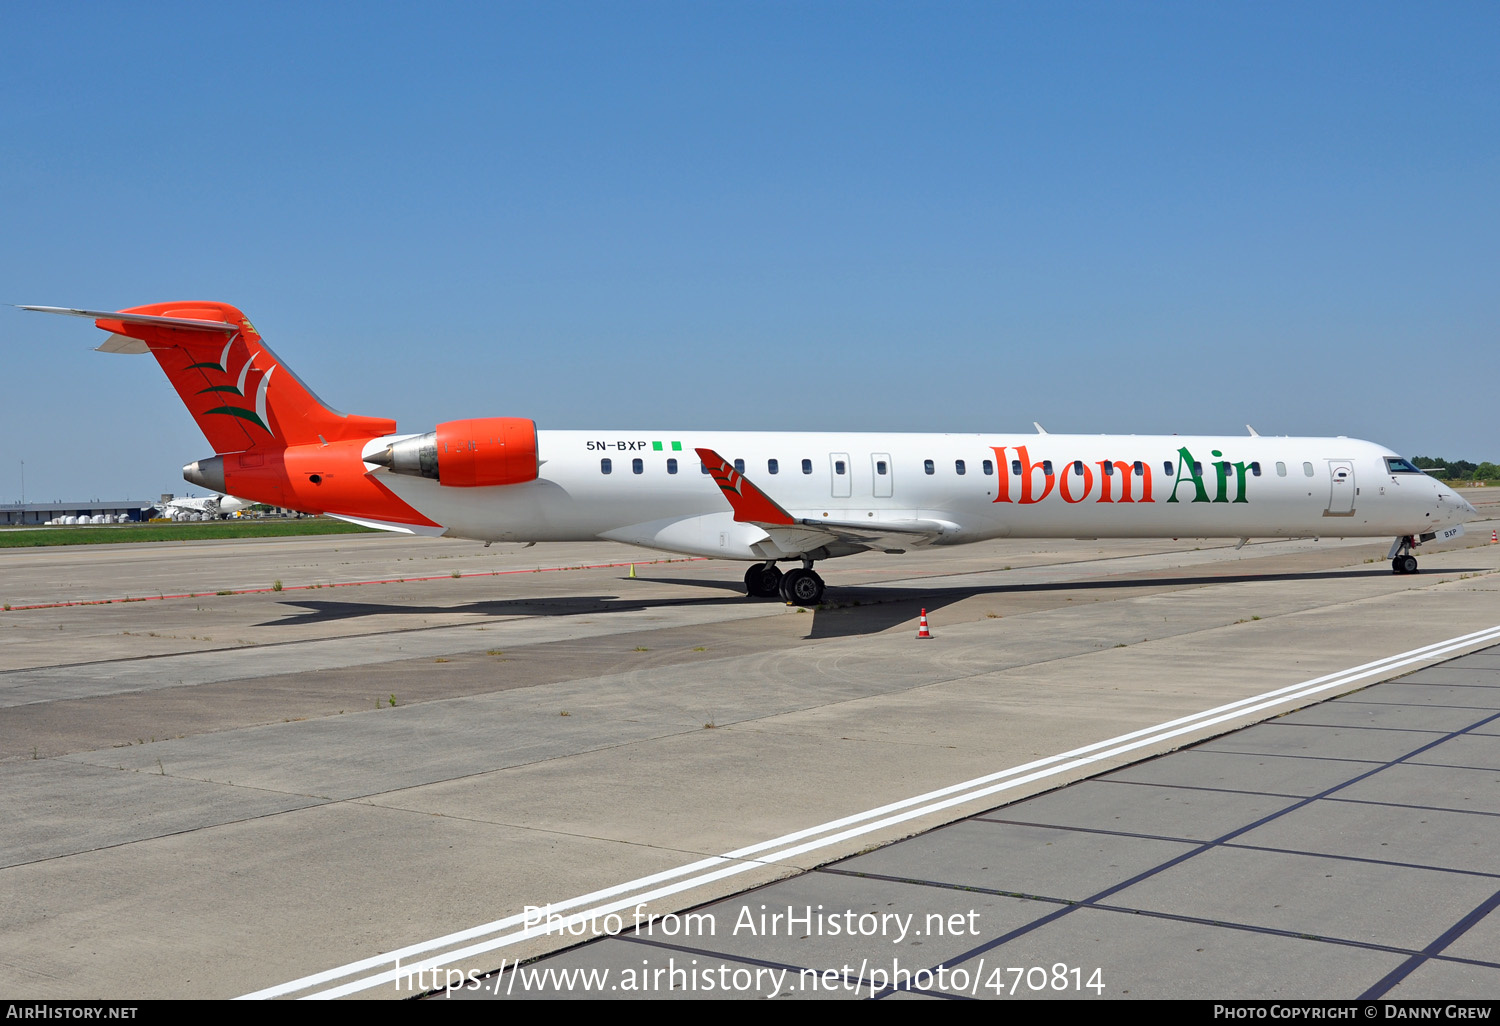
(467, 453)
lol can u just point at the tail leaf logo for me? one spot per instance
(257, 416)
(223, 363)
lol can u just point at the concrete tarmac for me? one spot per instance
(1340, 852)
(276, 792)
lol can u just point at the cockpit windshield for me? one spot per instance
(1400, 465)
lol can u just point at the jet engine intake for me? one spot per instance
(467, 453)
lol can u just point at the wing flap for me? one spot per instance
(886, 535)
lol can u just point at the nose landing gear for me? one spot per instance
(1402, 561)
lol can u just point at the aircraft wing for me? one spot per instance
(794, 534)
(885, 535)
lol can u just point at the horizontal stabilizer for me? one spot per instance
(188, 323)
(117, 343)
(238, 391)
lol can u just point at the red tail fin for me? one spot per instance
(239, 392)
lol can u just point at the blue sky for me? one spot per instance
(1107, 217)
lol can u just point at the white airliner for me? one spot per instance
(209, 505)
(761, 497)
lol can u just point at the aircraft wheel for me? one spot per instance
(1408, 564)
(762, 581)
(801, 588)
(1396, 565)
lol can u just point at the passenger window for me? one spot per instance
(1307, 469)
(606, 465)
(838, 467)
(1015, 467)
(637, 466)
(1255, 468)
(880, 467)
(1168, 469)
(1280, 469)
(958, 468)
(1078, 467)
(927, 466)
(807, 466)
(671, 466)
(1197, 468)
(1107, 467)
(773, 467)
(739, 466)
(1139, 468)
(1047, 467)
(703, 467)
(989, 468)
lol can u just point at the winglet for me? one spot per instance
(751, 505)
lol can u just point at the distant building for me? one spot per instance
(40, 512)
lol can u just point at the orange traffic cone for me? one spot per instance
(922, 632)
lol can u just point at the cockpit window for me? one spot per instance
(1399, 465)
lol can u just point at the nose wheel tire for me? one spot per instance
(763, 581)
(1404, 565)
(801, 588)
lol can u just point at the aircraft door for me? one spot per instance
(1340, 489)
(880, 470)
(838, 465)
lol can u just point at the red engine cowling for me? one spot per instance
(467, 453)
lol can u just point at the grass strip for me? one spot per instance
(113, 534)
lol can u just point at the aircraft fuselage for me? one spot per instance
(649, 488)
(755, 496)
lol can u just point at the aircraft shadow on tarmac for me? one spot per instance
(574, 605)
(852, 611)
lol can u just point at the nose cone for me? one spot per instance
(1454, 509)
(1452, 500)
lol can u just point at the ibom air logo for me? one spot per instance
(257, 416)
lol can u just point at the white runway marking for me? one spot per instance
(512, 929)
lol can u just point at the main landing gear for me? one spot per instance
(1402, 561)
(800, 587)
(763, 580)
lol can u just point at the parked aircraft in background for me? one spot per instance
(214, 506)
(813, 496)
